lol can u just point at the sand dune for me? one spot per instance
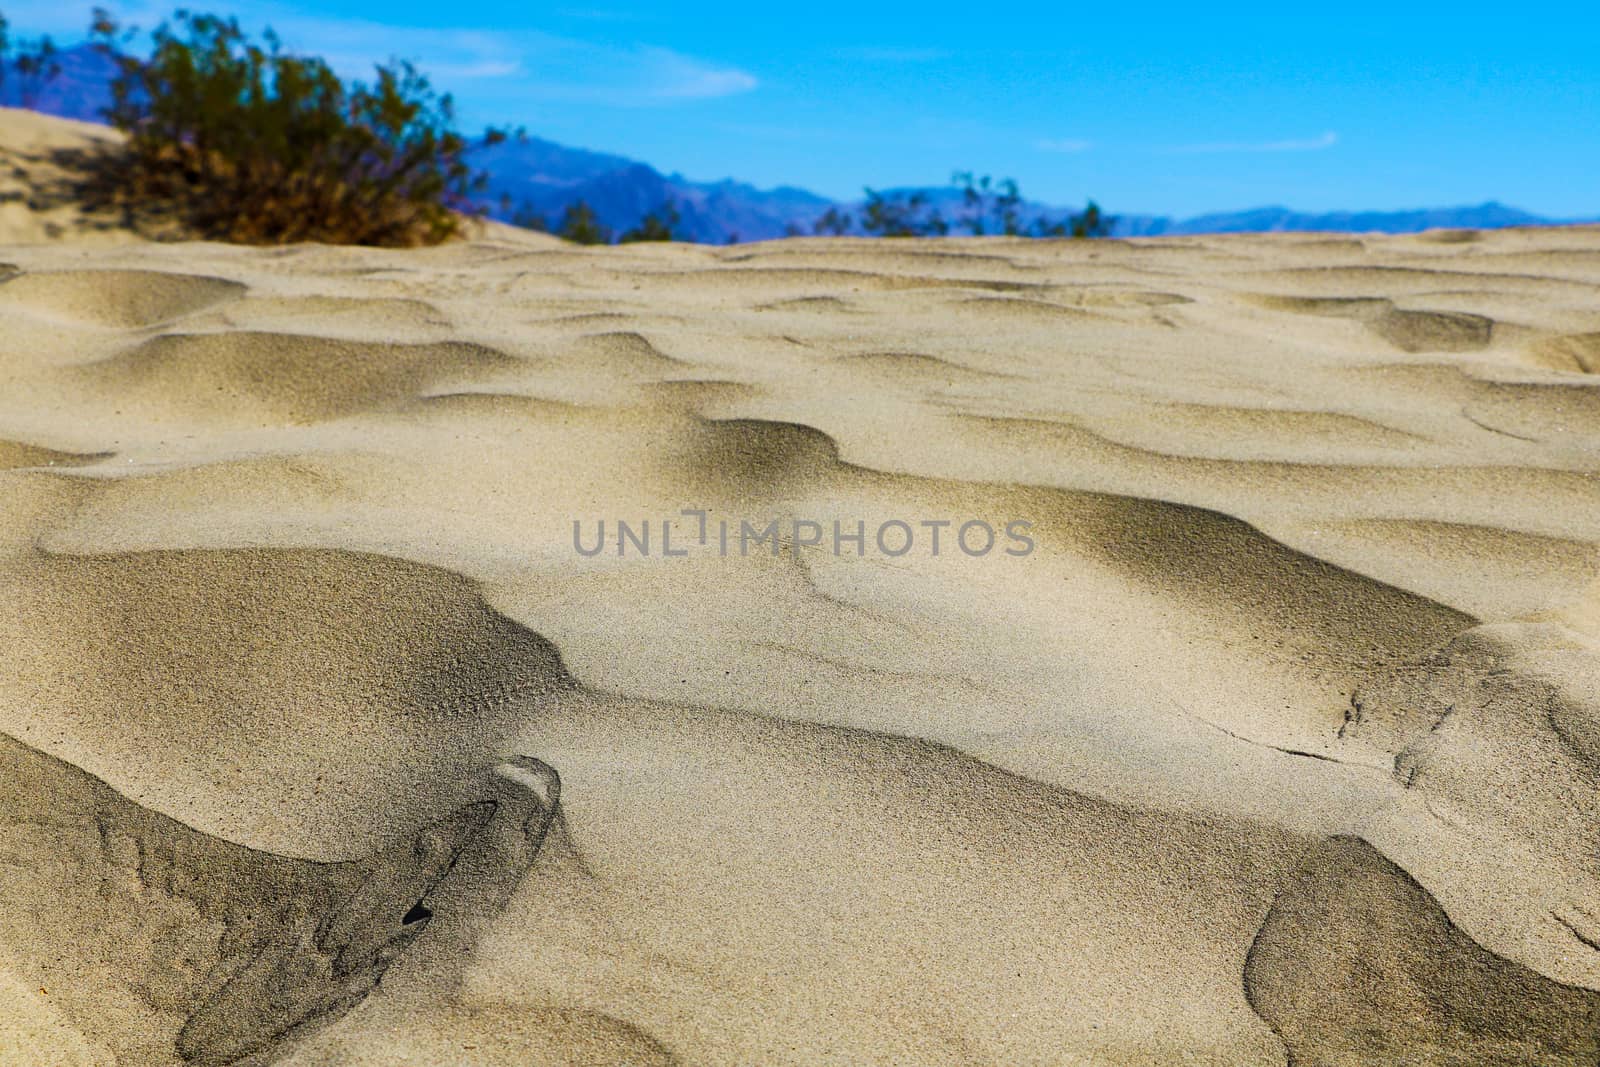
(324, 742)
(41, 169)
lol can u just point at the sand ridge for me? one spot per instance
(323, 745)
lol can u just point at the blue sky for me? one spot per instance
(1146, 107)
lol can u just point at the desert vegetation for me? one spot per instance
(832, 221)
(237, 139)
(983, 206)
(580, 225)
(253, 144)
(656, 225)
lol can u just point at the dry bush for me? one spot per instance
(245, 142)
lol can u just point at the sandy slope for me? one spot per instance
(1282, 745)
(41, 166)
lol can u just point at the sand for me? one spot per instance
(324, 743)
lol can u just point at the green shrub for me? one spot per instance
(832, 221)
(1090, 222)
(580, 225)
(249, 143)
(992, 207)
(655, 226)
(996, 207)
(901, 215)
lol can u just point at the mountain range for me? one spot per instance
(534, 180)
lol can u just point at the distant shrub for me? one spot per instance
(655, 226)
(996, 207)
(988, 207)
(580, 225)
(1090, 222)
(991, 207)
(524, 215)
(249, 143)
(832, 221)
(901, 215)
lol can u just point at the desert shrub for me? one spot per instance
(832, 221)
(580, 225)
(1090, 222)
(524, 215)
(996, 207)
(901, 215)
(655, 226)
(991, 207)
(249, 143)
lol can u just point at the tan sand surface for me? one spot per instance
(322, 744)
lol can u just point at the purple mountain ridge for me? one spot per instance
(535, 178)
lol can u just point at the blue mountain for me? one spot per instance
(82, 89)
(1486, 216)
(541, 178)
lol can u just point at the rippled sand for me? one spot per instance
(323, 744)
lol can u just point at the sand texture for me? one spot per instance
(321, 743)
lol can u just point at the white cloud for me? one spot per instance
(1063, 144)
(528, 63)
(445, 73)
(1306, 144)
(539, 66)
(673, 76)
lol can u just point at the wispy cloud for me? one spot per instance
(448, 73)
(531, 64)
(539, 66)
(1063, 144)
(892, 54)
(1303, 144)
(674, 76)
